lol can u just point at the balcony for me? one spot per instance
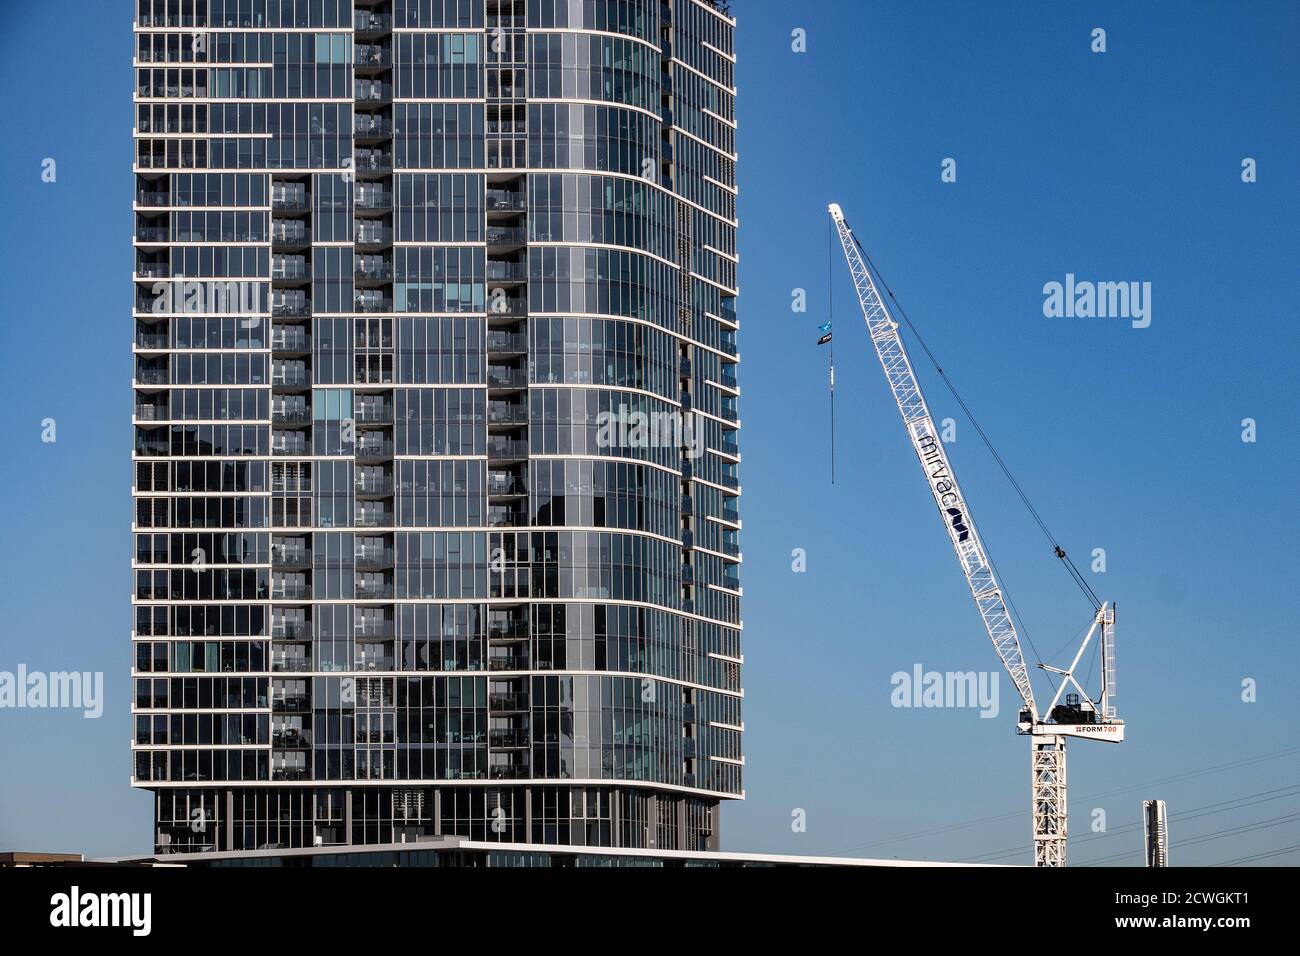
(290, 630)
(508, 342)
(373, 201)
(290, 308)
(282, 556)
(373, 237)
(290, 739)
(506, 272)
(290, 377)
(374, 519)
(500, 483)
(368, 23)
(152, 376)
(514, 308)
(151, 340)
(284, 445)
(508, 662)
(290, 271)
(291, 416)
(381, 486)
(375, 592)
(371, 303)
(506, 235)
(502, 449)
(153, 199)
(374, 272)
(504, 414)
(152, 234)
(499, 377)
(290, 665)
(372, 57)
(295, 703)
(289, 591)
(372, 628)
(508, 702)
(291, 202)
(290, 340)
(507, 518)
(373, 414)
(508, 630)
(374, 558)
(508, 739)
(374, 450)
(373, 160)
(152, 270)
(366, 126)
(504, 200)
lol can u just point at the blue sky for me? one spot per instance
(1115, 166)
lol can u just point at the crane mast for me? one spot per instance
(1079, 715)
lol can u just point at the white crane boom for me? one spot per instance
(929, 449)
(1079, 715)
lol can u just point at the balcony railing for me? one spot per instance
(499, 199)
(506, 235)
(374, 449)
(290, 270)
(372, 23)
(289, 376)
(379, 272)
(291, 665)
(290, 630)
(374, 486)
(367, 303)
(291, 203)
(367, 55)
(282, 555)
(373, 237)
(284, 590)
(507, 377)
(508, 449)
(506, 270)
(506, 342)
(507, 414)
(290, 416)
(374, 558)
(374, 519)
(286, 340)
(291, 307)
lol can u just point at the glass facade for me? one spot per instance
(436, 460)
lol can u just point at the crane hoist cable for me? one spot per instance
(1069, 564)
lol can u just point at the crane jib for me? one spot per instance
(906, 390)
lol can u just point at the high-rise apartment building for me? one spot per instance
(436, 494)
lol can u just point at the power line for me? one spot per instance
(1268, 854)
(949, 828)
(1195, 813)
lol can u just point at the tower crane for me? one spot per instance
(1078, 714)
